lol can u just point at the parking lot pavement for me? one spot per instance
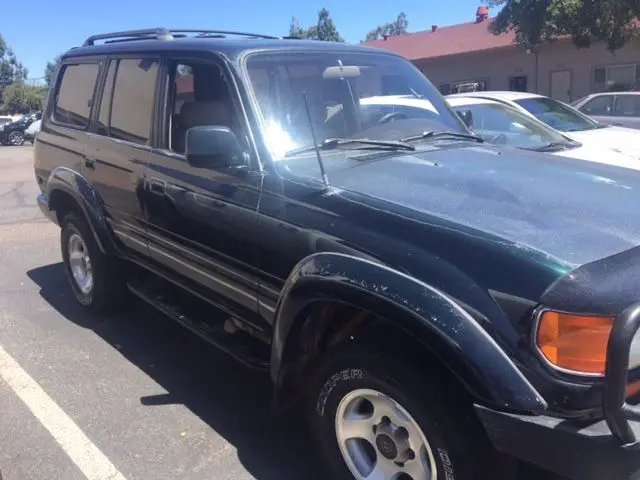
(134, 396)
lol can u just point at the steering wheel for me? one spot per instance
(391, 116)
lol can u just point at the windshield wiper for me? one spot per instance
(553, 147)
(331, 143)
(432, 134)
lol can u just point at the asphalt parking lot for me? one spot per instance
(129, 397)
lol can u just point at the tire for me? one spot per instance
(105, 292)
(454, 444)
(16, 139)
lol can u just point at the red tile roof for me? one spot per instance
(451, 40)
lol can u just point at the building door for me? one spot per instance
(561, 85)
(518, 84)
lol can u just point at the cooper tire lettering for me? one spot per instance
(330, 384)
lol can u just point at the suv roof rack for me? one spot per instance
(162, 33)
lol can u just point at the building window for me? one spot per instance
(518, 83)
(618, 78)
(464, 86)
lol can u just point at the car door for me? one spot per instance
(599, 108)
(626, 111)
(202, 220)
(119, 146)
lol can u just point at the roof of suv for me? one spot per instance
(231, 46)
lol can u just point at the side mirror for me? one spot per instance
(466, 116)
(212, 146)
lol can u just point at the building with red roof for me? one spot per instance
(469, 53)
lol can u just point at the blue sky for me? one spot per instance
(41, 29)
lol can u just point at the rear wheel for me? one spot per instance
(93, 276)
(375, 418)
(16, 139)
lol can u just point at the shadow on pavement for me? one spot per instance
(232, 399)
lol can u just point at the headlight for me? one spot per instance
(578, 343)
(574, 343)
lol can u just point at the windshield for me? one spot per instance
(558, 115)
(348, 95)
(498, 123)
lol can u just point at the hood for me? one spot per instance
(574, 210)
(592, 152)
(622, 140)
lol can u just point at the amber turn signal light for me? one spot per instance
(577, 343)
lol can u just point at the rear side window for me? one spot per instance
(133, 100)
(75, 94)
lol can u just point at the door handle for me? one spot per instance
(90, 162)
(157, 186)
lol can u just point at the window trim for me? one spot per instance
(53, 100)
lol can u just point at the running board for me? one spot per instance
(240, 345)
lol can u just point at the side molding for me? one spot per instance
(72, 183)
(422, 311)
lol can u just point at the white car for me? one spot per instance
(568, 121)
(499, 123)
(32, 130)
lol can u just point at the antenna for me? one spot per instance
(325, 179)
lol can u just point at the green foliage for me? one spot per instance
(22, 98)
(11, 70)
(398, 27)
(325, 29)
(50, 69)
(537, 21)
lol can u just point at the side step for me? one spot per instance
(191, 312)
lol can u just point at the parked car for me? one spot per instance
(569, 121)
(32, 130)
(12, 133)
(615, 108)
(502, 124)
(426, 296)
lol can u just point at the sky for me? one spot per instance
(45, 28)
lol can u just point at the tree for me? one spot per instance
(11, 70)
(325, 29)
(50, 69)
(21, 98)
(397, 27)
(537, 21)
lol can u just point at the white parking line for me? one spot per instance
(89, 459)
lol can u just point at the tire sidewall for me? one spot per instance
(72, 225)
(339, 378)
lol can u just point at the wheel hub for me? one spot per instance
(392, 441)
(80, 263)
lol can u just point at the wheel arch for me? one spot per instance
(408, 306)
(69, 190)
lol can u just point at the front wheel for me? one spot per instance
(16, 139)
(374, 418)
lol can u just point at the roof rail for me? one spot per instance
(143, 34)
(161, 33)
(221, 33)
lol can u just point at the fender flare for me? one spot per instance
(67, 181)
(429, 315)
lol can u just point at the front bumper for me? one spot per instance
(606, 449)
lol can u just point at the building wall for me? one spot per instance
(499, 65)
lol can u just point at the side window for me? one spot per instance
(75, 93)
(105, 103)
(133, 100)
(627, 106)
(601, 105)
(199, 96)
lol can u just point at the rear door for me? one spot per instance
(120, 144)
(626, 111)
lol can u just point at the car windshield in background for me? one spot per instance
(502, 124)
(329, 95)
(557, 115)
